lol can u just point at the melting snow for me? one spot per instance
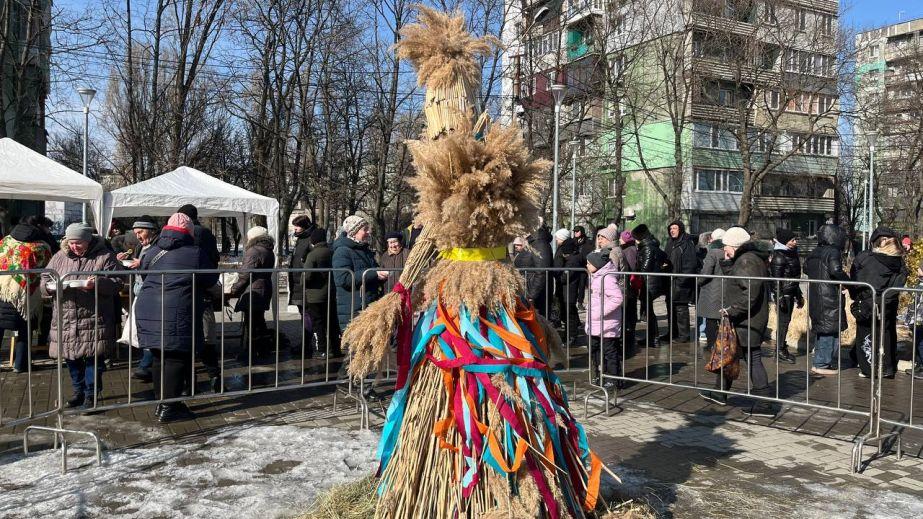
(258, 471)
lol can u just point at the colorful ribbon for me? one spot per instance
(474, 351)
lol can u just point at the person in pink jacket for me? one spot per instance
(604, 314)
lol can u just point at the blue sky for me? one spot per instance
(873, 13)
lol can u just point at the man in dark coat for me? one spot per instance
(651, 259)
(681, 251)
(203, 236)
(746, 305)
(882, 267)
(303, 227)
(585, 244)
(525, 257)
(352, 253)
(785, 264)
(826, 303)
(254, 291)
(320, 300)
(168, 323)
(541, 243)
(567, 256)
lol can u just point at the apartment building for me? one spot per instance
(889, 76)
(705, 100)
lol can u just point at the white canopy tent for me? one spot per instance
(28, 175)
(164, 194)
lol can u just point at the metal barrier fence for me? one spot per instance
(21, 345)
(248, 376)
(896, 417)
(663, 364)
(89, 311)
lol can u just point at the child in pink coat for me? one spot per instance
(604, 313)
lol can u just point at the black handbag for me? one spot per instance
(862, 309)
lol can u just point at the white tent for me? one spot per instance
(164, 194)
(28, 175)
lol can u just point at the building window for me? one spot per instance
(772, 99)
(611, 188)
(719, 180)
(714, 137)
(769, 13)
(802, 19)
(826, 26)
(822, 145)
(619, 24)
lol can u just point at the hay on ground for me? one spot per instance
(356, 500)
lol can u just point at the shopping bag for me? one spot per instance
(724, 356)
(130, 329)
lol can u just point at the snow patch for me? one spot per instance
(256, 471)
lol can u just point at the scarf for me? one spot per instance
(21, 290)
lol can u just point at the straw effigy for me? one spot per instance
(479, 424)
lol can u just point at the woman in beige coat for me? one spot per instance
(88, 325)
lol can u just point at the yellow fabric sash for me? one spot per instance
(475, 254)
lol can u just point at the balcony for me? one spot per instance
(583, 11)
(794, 204)
(746, 73)
(702, 111)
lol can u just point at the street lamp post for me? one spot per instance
(573, 183)
(872, 140)
(86, 95)
(557, 90)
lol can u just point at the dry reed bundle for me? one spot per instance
(477, 193)
(446, 57)
(800, 325)
(368, 335)
(474, 284)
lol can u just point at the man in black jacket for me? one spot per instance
(567, 257)
(651, 259)
(320, 300)
(586, 245)
(541, 243)
(526, 257)
(682, 254)
(826, 304)
(784, 263)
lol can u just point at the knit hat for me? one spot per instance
(78, 231)
(580, 229)
(180, 222)
(627, 237)
(190, 211)
(718, 234)
(256, 232)
(608, 233)
(145, 222)
(353, 223)
(597, 259)
(562, 234)
(735, 237)
(784, 236)
(519, 240)
(318, 236)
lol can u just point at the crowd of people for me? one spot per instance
(723, 274)
(595, 286)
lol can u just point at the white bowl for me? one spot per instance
(77, 283)
(128, 262)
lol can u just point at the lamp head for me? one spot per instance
(86, 94)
